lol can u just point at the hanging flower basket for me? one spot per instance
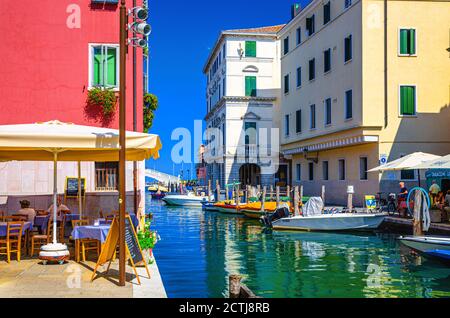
(104, 98)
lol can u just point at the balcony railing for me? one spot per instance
(106, 179)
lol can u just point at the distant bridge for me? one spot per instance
(162, 177)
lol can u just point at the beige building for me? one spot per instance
(363, 81)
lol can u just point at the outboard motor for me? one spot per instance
(280, 213)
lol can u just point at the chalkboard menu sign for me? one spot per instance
(72, 187)
(132, 242)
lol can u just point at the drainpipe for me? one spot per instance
(385, 66)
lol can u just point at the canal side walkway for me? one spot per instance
(30, 279)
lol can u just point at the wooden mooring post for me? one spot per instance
(239, 290)
(227, 195)
(209, 191)
(278, 196)
(237, 196)
(263, 198)
(288, 190)
(218, 190)
(296, 195)
(271, 192)
(323, 194)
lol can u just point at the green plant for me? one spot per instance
(105, 98)
(150, 106)
(147, 238)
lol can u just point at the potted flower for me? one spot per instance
(147, 240)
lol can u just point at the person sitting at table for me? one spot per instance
(434, 190)
(26, 210)
(61, 207)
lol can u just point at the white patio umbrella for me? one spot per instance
(407, 162)
(56, 141)
(439, 163)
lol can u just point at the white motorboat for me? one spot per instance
(426, 244)
(189, 199)
(331, 222)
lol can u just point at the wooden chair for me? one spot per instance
(39, 240)
(12, 218)
(20, 218)
(109, 219)
(85, 244)
(62, 226)
(2, 215)
(100, 214)
(13, 241)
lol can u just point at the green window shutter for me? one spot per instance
(250, 48)
(412, 41)
(98, 67)
(111, 62)
(250, 86)
(407, 100)
(404, 41)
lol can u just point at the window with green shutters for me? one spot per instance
(407, 100)
(104, 63)
(407, 41)
(250, 86)
(250, 48)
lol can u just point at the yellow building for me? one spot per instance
(360, 88)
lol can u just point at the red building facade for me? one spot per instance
(53, 52)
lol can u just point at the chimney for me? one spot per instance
(295, 9)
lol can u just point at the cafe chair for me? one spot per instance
(109, 219)
(12, 218)
(13, 241)
(20, 218)
(84, 245)
(2, 215)
(62, 226)
(39, 240)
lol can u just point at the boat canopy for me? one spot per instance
(313, 206)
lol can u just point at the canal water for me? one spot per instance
(198, 250)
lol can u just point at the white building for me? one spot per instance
(243, 92)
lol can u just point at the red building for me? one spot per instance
(53, 52)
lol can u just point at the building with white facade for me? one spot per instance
(243, 90)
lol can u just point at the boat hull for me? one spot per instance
(228, 210)
(331, 222)
(425, 244)
(253, 214)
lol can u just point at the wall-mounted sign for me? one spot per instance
(71, 187)
(383, 159)
(350, 189)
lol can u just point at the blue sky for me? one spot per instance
(183, 34)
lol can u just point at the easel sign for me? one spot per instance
(71, 187)
(133, 249)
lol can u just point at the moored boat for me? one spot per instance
(331, 222)
(189, 199)
(426, 244)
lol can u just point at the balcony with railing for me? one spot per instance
(106, 179)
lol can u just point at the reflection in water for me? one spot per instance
(199, 250)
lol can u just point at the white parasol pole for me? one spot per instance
(55, 194)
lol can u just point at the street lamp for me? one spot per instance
(138, 27)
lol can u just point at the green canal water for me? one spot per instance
(198, 250)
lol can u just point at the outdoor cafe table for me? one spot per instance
(41, 222)
(93, 232)
(27, 226)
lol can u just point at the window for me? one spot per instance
(224, 135)
(327, 60)
(299, 76)
(341, 169)
(286, 125)
(104, 62)
(326, 13)
(407, 100)
(348, 48)
(349, 104)
(407, 38)
(106, 176)
(363, 168)
(299, 35)
(298, 121)
(286, 84)
(407, 174)
(347, 3)
(312, 69)
(311, 171)
(250, 133)
(325, 170)
(310, 25)
(224, 51)
(299, 172)
(250, 86)
(286, 45)
(312, 116)
(250, 48)
(328, 111)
